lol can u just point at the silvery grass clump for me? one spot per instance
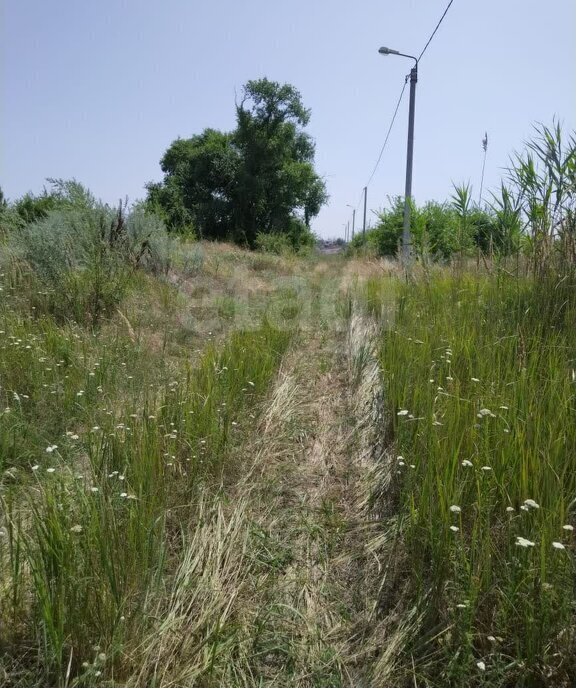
(82, 256)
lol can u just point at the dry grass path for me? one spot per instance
(310, 607)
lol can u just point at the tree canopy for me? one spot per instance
(259, 178)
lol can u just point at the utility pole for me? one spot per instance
(406, 236)
(364, 223)
(353, 221)
(347, 231)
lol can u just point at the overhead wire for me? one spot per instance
(388, 133)
(448, 6)
(435, 30)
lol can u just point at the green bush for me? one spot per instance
(297, 238)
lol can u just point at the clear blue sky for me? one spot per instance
(98, 90)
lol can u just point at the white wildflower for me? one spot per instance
(481, 666)
(558, 545)
(455, 509)
(568, 527)
(454, 529)
(467, 464)
(76, 529)
(531, 504)
(523, 542)
(402, 412)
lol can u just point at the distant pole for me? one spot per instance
(406, 237)
(364, 223)
(347, 230)
(485, 147)
(353, 221)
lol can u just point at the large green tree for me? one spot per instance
(258, 178)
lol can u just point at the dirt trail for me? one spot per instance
(313, 604)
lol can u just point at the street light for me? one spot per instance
(353, 217)
(406, 238)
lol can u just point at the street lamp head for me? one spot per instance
(388, 51)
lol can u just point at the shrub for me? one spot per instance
(82, 256)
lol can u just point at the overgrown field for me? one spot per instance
(120, 422)
(230, 468)
(478, 491)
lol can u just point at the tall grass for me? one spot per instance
(480, 383)
(104, 452)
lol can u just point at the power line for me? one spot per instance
(388, 133)
(436, 29)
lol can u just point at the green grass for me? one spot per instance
(109, 453)
(481, 391)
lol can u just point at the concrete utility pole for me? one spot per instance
(353, 217)
(365, 199)
(406, 235)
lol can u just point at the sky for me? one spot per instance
(97, 91)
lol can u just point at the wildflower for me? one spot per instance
(403, 412)
(96, 428)
(509, 509)
(486, 469)
(568, 527)
(491, 638)
(449, 377)
(558, 545)
(50, 470)
(455, 509)
(485, 412)
(531, 504)
(524, 508)
(481, 666)
(401, 463)
(51, 448)
(35, 467)
(461, 606)
(76, 529)
(251, 384)
(123, 495)
(454, 529)
(475, 379)
(467, 464)
(523, 542)
(94, 489)
(3, 532)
